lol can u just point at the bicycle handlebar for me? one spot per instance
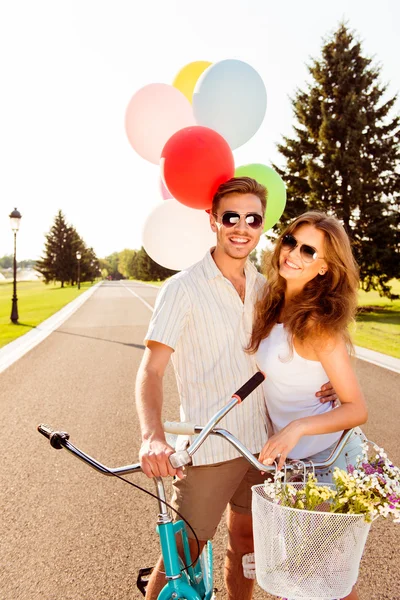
(60, 439)
(249, 386)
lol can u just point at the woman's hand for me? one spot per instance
(279, 445)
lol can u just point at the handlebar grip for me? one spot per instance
(57, 438)
(45, 430)
(184, 428)
(249, 386)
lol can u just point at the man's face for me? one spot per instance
(241, 239)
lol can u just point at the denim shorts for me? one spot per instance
(347, 457)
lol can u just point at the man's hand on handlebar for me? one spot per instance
(154, 459)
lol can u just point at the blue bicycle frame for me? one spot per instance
(193, 582)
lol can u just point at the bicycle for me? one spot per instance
(186, 578)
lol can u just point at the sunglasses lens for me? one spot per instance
(308, 253)
(289, 242)
(254, 220)
(230, 219)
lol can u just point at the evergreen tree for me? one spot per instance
(56, 264)
(344, 156)
(60, 262)
(146, 269)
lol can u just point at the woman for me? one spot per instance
(301, 338)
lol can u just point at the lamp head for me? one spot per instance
(15, 217)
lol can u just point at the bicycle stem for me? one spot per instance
(205, 431)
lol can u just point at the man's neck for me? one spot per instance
(231, 268)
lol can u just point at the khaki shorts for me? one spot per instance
(205, 491)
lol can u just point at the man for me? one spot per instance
(203, 321)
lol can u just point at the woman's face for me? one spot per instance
(299, 264)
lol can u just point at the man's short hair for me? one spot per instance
(240, 185)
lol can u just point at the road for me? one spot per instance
(68, 533)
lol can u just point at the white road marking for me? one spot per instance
(137, 296)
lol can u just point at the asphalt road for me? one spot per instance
(68, 533)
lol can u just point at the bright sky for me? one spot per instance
(69, 68)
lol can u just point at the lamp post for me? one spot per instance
(79, 256)
(15, 218)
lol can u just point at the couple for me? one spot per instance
(219, 322)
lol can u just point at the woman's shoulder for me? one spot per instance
(325, 342)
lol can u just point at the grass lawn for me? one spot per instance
(36, 302)
(378, 322)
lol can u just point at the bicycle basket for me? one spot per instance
(305, 554)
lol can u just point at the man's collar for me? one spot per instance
(211, 270)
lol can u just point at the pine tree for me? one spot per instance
(55, 265)
(60, 262)
(344, 156)
(145, 268)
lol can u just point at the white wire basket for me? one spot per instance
(305, 554)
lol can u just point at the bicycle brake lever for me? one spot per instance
(180, 459)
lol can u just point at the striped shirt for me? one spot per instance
(200, 315)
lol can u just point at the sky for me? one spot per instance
(70, 67)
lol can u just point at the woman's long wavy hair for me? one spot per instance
(327, 304)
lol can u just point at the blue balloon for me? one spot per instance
(230, 97)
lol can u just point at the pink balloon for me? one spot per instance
(154, 113)
(165, 193)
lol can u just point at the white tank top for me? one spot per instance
(290, 388)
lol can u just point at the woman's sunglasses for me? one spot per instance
(231, 218)
(307, 253)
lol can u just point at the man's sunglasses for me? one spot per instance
(231, 218)
(307, 253)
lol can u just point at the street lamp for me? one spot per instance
(15, 218)
(79, 256)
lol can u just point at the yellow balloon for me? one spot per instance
(187, 77)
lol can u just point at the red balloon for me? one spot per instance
(194, 162)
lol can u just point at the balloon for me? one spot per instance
(194, 162)
(276, 197)
(165, 193)
(154, 113)
(230, 97)
(187, 77)
(176, 236)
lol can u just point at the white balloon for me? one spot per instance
(230, 97)
(176, 236)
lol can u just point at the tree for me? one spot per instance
(59, 262)
(6, 261)
(146, 269)
(56, 264)
(344, 156)
(126, 262)
(110, 264)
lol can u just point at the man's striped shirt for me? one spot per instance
(200, 315)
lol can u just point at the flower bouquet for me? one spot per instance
(371, 488)
(309, 538)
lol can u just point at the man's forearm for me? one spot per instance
(149, 401)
